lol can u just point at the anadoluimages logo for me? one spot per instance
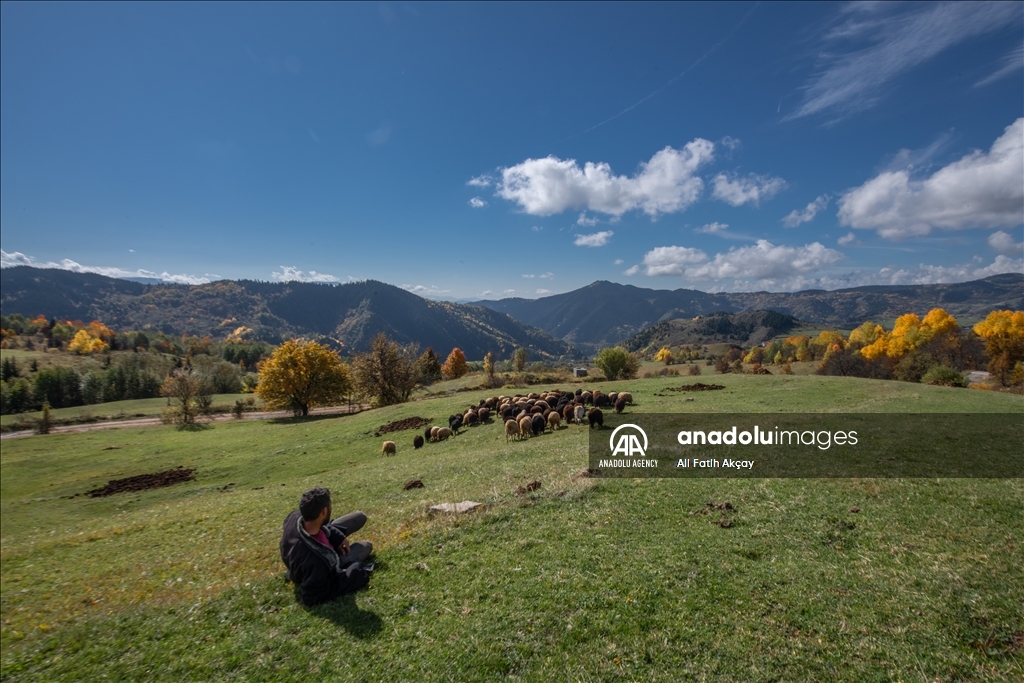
(628, 444)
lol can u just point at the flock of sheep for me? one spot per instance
(525, 416)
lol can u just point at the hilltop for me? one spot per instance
(750, 327)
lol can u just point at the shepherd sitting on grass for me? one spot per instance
(319, 558)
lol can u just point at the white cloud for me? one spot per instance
(1011, 63)
(483, 180)
(796, 217)
(619, 262)
(597, 239)
(879, 42)
(529, 276)
(765, 260)
(759, 262)
(543, 291)
(542, 276)
(667, 183)
(712, 228)
(487, 292)
(509, 291)
(16, 258)
(537, 228)
(848, 238)
(477, 203)
(422, 290)
(586, 222)
(1004, 243)
(293, 274)
(752, 189)
(669, 260)
(981, 190)
(632, 270)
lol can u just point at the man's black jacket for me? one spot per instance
(315, 568)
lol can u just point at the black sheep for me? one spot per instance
(538, 423)
(426, 433)
(417, 441)
(454, 422)
(596, 417)
(508, 413)
(484, 414)
(620, 405)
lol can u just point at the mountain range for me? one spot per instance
(566, 325)
(350, 314)
(606, 313)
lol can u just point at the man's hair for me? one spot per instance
(313, 502)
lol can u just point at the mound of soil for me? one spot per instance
(143, 482)
(402, 425)
(761, 371)
(699, 386)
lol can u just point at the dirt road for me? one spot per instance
(151, 421)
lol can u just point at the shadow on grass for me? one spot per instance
(309, 418)
(195, 427)
(345, 612)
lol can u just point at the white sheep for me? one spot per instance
(512, 432)
(389, 448)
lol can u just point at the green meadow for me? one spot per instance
(582, 580)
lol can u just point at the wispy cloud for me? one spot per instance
(749, 190)
(293, 274)
(542, 276)
(981, 190)
(542, 292)
(667, 183)
(585, 221)
(597, 239)
(712, 228)
(619, 262)
(1012, 63)
(380, 135)
(423, 290)
(477, 203)
(537, 228)
(847, 239)
(877, 42)
(16, 258)
(483, 180)
(796, 217)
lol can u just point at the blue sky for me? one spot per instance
(466, 151)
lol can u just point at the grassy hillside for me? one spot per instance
(583, 580)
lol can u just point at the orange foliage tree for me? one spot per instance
(455, 366)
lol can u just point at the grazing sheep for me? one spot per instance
(578, 413)
(433, 433)
(567, 411)
(554, 419)
(526, 425)
(471, 418)
(538, 424)
(627, 397)
(389, 448)
(484, 414)
(578, 392)
(507, 412)
(600, 399)
(542, 403)
(536, 410)
(595, 417)
(511, 430)
(620, 405)
(443, 433)
(454, 422)
(417, 441)
(613, 396)
(586, 397)
(428, 433)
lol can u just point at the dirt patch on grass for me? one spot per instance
(698, 386)
(144, 482)
(402, 425)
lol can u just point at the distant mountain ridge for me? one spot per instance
(605, 313)
(350, 314)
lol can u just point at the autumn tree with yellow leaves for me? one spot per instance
(664, 355)
(300, 375)
(1003, 333)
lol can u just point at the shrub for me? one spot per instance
(942, 376)
(694, 370)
